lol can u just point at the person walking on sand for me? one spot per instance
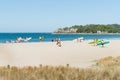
(102, 42)
(58, 42)
(95, 42)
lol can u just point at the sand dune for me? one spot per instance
(48, 53)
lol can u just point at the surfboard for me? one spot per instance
(27, 39)
(81, 38)
(93, 42)
(106, 42)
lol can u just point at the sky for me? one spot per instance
(48, 15)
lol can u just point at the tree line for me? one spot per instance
(95, 28)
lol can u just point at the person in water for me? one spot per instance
(41, 38)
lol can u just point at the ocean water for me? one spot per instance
(49, 36)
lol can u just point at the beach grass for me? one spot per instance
(108, 61)
(108, 71)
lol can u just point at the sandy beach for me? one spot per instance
(77, 54)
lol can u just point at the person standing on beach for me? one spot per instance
(58, 42)
(52, 40)
(102, 42)
(95, 42)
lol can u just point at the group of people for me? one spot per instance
(18, 40)
(58, 41)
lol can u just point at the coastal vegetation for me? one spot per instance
(91, 28)
(105, 69)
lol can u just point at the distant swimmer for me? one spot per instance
(41, 38)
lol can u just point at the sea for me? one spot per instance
(48, 37)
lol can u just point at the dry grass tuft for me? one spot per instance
(109, 61)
